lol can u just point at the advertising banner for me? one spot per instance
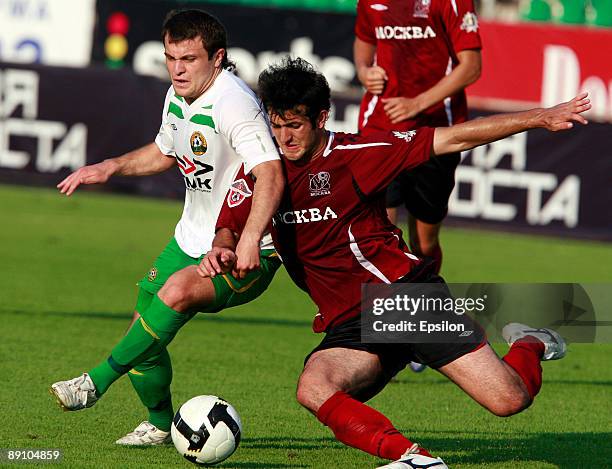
(52, 32)
(530, 65)
(48, 128)
(559, 183)
(536, 181)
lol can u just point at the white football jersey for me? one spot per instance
(210, 139)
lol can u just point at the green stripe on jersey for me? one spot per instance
(180, 98)
(203, 120)
(174, 109)
(207, 107)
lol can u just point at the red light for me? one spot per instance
(118, 23)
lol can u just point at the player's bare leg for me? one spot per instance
(199, 292)
(185, 291)
(425, 239)
(424, 242)
(507, 386)
(333, 385)
(489, 381)
(328, 371)
(392, 215)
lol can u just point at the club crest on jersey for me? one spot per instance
(239, 191)
(407, 135)
(421, 8)
(152, 275)
(470, 23)
(198, 143)
(319, 184)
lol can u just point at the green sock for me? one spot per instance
(147, 337)
(151, 379)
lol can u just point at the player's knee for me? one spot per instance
(175, 294)
(510, 404)
(312, 393)
(304, 395)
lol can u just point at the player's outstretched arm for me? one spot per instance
(267, 193)
(144, 161)
(470, 134)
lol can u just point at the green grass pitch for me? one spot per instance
(69, 268)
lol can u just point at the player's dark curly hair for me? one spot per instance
(292, 83)
(181, 25)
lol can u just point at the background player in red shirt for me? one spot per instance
(333, 235)
(415, 58)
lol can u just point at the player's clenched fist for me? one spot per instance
(216, 261)
(373, 78)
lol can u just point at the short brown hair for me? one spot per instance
(181, 25)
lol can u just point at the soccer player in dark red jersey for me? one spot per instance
(415, 58)
(333, 235)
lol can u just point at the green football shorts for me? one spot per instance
(229, 291)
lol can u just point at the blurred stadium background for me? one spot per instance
(84, 80)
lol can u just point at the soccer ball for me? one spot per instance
(206, 430)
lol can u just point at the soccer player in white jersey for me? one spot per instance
(212, 125)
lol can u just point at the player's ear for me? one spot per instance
(322, 119)
(219, 57)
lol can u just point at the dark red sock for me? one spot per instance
(524, 357)
(357, 425)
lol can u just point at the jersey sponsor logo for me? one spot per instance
(185, 164)
(238, 193)
(198, 144)
(470, 23)
(406, 136)
(195, 181)
(307, 215)
(421, 8)
(379, 7)
(319, 184)
(404, 32)
(173, 126)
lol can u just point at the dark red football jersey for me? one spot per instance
(331, 230)
(416, 43)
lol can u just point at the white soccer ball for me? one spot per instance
(206, 430)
